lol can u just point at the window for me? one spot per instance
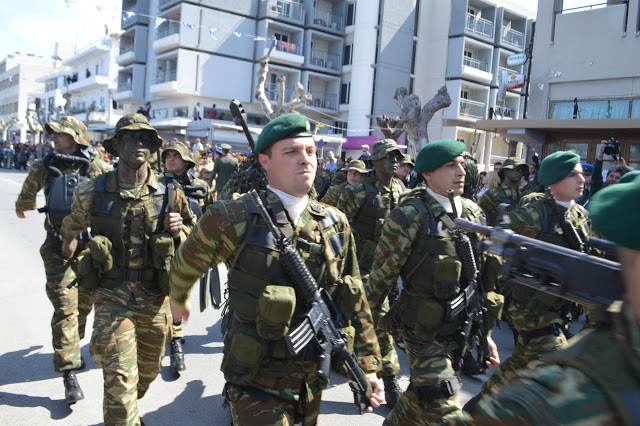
(340, 127)
(351, 13)
(464, 94)
(468, 54)
(281, 37)
(181, 111)
(592, 109)
(346, 58)
(345, 88)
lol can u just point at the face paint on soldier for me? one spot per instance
(292, 165)
(174, 163)
(386, 167)
(134, 148)
(449, 176)
(513, 175)
(63, 143)
(571, 187)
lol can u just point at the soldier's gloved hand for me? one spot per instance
(494, 358)
(68, 248)
(21, 214)
(377, 393)
(179, 312)
(173, 224)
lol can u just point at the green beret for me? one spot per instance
(557, 166)
(383, 148)
(629, 176)
(283, 127)
(613, 212)
(437, 154)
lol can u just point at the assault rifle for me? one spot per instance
(560, 271)
(322, 322)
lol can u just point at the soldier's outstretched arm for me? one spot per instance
(80, 217)
(30, 188)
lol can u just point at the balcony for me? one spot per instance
(94, 81)
(324, 60)
(291, 55)
(475, 63)
(165, 4)
(472, 109)
(324, 100)
(479, 26)
(167, 37)
(165, 84)
(327, 20)
(126, 55)
(512, 38)
(286, 9)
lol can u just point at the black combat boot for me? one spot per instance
(177, 356)
(72, 391)
(392, 391)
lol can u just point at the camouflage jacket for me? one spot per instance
(230, 231)
(490, 200)
(596, 380)
(223, 169)
(189, 179)
(339, 176)
(333, 194)
(38, 176)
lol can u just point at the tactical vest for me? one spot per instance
(599, 355)
(494, 218)
(129, 225)
(367, 227)
(255, 267)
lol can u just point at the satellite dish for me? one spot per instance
(502, 85)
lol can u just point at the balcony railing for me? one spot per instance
(127, 49)
(295, 51)
(167, 30)
(324, 100)
(509, 70)
(479, 25)
(512, 37)
(163, 77)
(474, 109)
(123, 87)
(271, 90)
(327, 19)
(324, 59)
(475, 63)
(286, 8)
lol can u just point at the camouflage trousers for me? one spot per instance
(130, 332)
(431, 363)
(390, 362)
(255, 407)
(522, 355)
(71, 306)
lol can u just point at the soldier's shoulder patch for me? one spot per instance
(316, 207)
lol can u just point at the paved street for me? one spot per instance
(32, 393)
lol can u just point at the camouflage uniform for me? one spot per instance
(339, 176)
(415, 245)
(539, 318)
(71, 306)
(265, 384)
(490, 200)
(332, 195)
(223, 169)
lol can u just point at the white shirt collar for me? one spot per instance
(566, 204)
(294, 205)
(444, 201)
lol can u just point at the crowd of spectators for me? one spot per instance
(21, 155)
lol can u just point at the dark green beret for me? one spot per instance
(283, 127)
(629, 176)
(437, 154)
(557, 166)
(614, 211)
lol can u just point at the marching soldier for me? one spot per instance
(512, 171)
(223, 169)
(417, 244)
(178, 160)
(265, 383)
(366, 204)
(70, 305)
(136, 219)
(355, 172)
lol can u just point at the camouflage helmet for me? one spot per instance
(182, 150)
(132, 122)
(71, 126)
(383, 148)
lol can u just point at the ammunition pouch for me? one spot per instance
(494, 303)
(349, 298)
(162, 251)
(87, 274)
(445, 390)
(275, 310)
(446, 277)
(100, 249)
(423, 315)
(365, 255)
(244, 351)
(337, 362)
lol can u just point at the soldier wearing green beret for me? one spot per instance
(417, 246)
(223, 169)
(366, 204)
(596, 380)
(134, 234)
(266, 384)
(508, 192)
(355, 172)
(540, 319)
(70, 305)
(178, 160)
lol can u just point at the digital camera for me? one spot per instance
(612, 148)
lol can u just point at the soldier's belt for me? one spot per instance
(132, 275)
(446, 389)
(553, 329)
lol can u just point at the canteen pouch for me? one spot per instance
(243, 355)
(276, 305)
(100, 249)
(429, 316)
(162, 250)
(492, 273)
(87, 274)
(349, 297)
(337, 362)
(494, 303)
(446, 277)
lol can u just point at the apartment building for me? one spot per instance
(585, 85)
(84, 87)
(18, 84)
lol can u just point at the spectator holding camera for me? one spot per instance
(614, 173)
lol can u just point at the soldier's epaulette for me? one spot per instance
(400, 217)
